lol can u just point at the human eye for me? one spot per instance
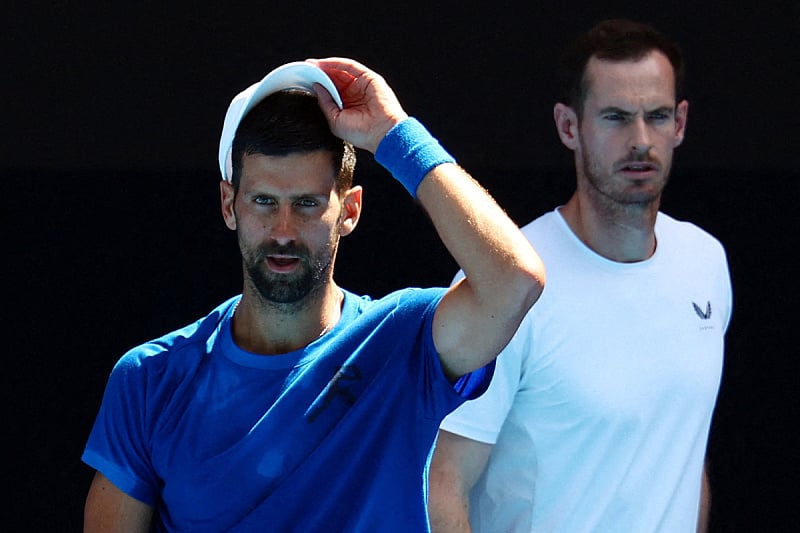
(306, 202)
(615, 116)
(263, 200)
(659, 116)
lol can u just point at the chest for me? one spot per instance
(625, 344)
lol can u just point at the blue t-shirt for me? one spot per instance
(336, 436)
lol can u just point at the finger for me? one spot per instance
(341, 64)
(326, 102)
(342, 79)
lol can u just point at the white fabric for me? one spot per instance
(295, 75)
(600, 407)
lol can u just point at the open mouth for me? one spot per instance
(639, 167)
(282, 263)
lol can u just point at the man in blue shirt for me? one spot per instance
(299, 406)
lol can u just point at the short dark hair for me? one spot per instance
(290, 122)
(615, 40)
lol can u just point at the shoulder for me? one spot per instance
(548, 231)
(177, 348)
(402, 309)
(542, 224)
(687, 236)
(408, 298)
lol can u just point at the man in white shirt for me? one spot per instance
(598, 416)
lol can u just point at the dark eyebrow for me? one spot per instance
(616, 111)
(320, 196)
(666, 110)
(293, 197)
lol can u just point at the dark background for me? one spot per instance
(110, 133)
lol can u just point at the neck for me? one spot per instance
(271, 329)
(625, 234)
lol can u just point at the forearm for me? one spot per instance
(705, 503)
(448, 507)
(497, 259)
(455, 468)
(504, 275)
(485, 243)
(448, 513)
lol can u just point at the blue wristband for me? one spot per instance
(409, 152)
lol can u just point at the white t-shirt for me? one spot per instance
(601, 404)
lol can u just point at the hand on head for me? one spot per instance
(370, 106)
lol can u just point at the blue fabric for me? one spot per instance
(409, 152)
(334, 437)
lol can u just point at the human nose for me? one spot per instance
(284, 229)
(640, 139)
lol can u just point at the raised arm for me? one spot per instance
(503, 274)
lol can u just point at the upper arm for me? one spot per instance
(457, 464)
(467, 334)
(109, 509)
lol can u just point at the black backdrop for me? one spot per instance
(109, 172)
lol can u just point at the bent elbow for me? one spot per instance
(533, 277)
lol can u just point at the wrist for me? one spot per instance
(409, 152)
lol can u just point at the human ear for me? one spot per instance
(566, 125)
(681, 117)
(351, 207)
(226, 195)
